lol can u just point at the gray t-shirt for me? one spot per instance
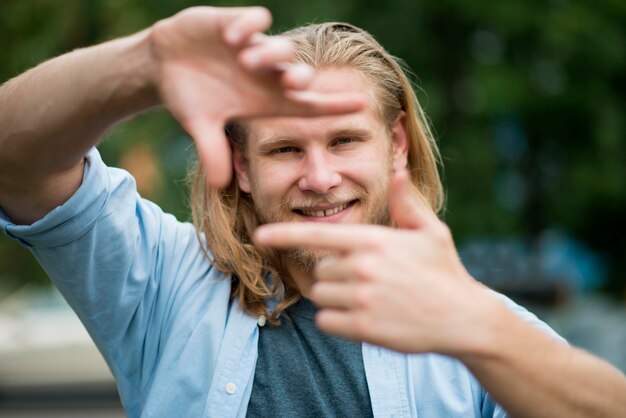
(302, 372)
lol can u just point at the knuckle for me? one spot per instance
(359, 269)
(363, 297)
(380, 236)
(159, 32)
(262, 12)
(279, 40)
(362, 324)
(316, 235)
(442, 233)
(317, 291)
(321, 320)
(376, 238)
(361, 266)
(324, 268)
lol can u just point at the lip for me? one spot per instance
(334, 218)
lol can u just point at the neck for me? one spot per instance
(304, 280)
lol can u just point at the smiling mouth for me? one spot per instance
(323, 212)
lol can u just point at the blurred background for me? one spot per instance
(527, 100)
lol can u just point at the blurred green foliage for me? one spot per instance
(527, 99)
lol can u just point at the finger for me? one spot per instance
(342, 238)
(245, 22)
(308, 103)
(297, 76)
(337, 322)
(405, 207)
(333, 295)
(267, 54)
(213, 150)
(256, 38)
(342, 269)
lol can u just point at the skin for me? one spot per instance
(53, 114)
(374, 287)
(296, 167)
(406, 289)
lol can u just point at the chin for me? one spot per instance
(306, 260)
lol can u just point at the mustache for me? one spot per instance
(329, 200)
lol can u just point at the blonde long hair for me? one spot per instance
(227, 217)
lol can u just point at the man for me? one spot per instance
(181, 320)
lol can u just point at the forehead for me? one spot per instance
(332, 80)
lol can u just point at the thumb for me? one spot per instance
(213, 150)
(407, 209)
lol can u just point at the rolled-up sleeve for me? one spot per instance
(123, 265)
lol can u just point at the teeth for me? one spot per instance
(327, 212)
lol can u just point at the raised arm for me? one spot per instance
(52, 114)
(206, 65)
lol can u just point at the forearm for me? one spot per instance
(52, 114)
(532, 375)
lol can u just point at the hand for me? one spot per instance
(214, 64)
(404, 289)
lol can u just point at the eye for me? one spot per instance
(284, 150)
(343, 140)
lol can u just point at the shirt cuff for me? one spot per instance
(72, 219)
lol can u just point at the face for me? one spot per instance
(332, 169)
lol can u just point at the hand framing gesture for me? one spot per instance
(404, 289)
(213, 65)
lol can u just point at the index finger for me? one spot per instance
(334, 237)
(311, 103)
(246, 22)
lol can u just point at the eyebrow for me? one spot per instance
(271, 142)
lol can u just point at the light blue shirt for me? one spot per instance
(163, 319)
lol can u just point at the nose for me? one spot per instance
(320, 175)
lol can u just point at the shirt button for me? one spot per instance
(262, 320)
(231, 388)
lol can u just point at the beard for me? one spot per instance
(372, 207)
(306, 259)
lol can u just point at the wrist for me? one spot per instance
(138, 68)
(493, 325)
(479, 331)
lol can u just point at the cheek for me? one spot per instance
(369, 166)
(271, 181)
